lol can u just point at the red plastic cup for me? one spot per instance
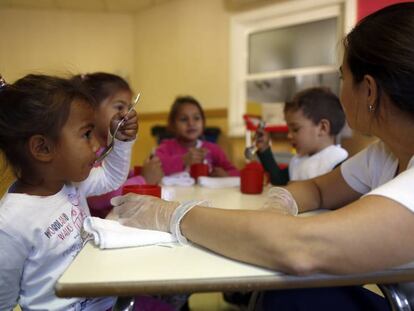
(153, 190)
(137, 170)
(198, 169)
(251, 181)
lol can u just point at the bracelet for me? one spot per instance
(178, 215)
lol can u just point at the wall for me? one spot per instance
(57, 42)
(366, 7)
(181, 47)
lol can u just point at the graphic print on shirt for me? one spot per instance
(61, 227)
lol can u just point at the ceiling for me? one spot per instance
(117, 6)
(113, 6)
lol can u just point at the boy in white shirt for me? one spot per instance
(314, 118)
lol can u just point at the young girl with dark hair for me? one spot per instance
(186, 121)
(47, 134)
(112, 95)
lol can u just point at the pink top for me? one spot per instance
(171, 155)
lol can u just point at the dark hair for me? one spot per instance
(175, 107)
(319, 103)
(34, 104)
(382, 45)
(102, 85)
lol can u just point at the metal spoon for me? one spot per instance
(110, 146)
(250, 152)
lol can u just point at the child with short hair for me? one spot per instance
(186, 121)
(47, 134)
(113, 95)
(314, 118)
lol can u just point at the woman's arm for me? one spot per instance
(329, 191)
(370, 234)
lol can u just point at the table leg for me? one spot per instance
(124, 304)
(397, 298)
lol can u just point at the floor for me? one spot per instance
(210, 302)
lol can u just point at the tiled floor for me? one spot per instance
(210, 302)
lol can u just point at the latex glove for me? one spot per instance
(262, 139)
(152, 170)
(280, 200)
(144, 211)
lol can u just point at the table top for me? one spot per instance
(186, 269)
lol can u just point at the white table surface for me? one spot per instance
(160, 269)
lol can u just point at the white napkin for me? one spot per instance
(111, 234)
(219, 182)
(178, 179)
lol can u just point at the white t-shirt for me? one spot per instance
(372, 172)
(40, 237)
(307, 167)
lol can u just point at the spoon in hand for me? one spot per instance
(250, 152)
(110, 146)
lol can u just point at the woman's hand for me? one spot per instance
(152, 170)
(144, 211)
(194, 155)
(129, 129)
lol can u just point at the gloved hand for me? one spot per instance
(280, 200)
(144, 211)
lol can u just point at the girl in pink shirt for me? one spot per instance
(186, 121)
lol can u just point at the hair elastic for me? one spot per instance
(3, 82)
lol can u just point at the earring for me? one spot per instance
(371, 108)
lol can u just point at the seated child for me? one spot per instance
(314, 117)
(186, 121)
(112, 95)
(47, 135)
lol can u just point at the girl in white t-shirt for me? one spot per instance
(47, 135)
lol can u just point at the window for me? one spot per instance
(280, 50)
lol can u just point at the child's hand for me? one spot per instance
(218, 172)
(194, 155)
(262, 139)
(129, 129)
(152, 170)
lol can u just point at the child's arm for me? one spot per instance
(219, 159)
(12, 259)
(115, 168)
(112, 173)
(152, 170)
(278, 176)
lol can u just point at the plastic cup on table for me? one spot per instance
(153, 190)
(198, 169)
(251, 180)
(137, 170)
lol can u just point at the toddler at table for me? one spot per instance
(112, 95)
(314, 118)
(47, 135)
(186, 121)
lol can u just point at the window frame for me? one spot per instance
(271, 17)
